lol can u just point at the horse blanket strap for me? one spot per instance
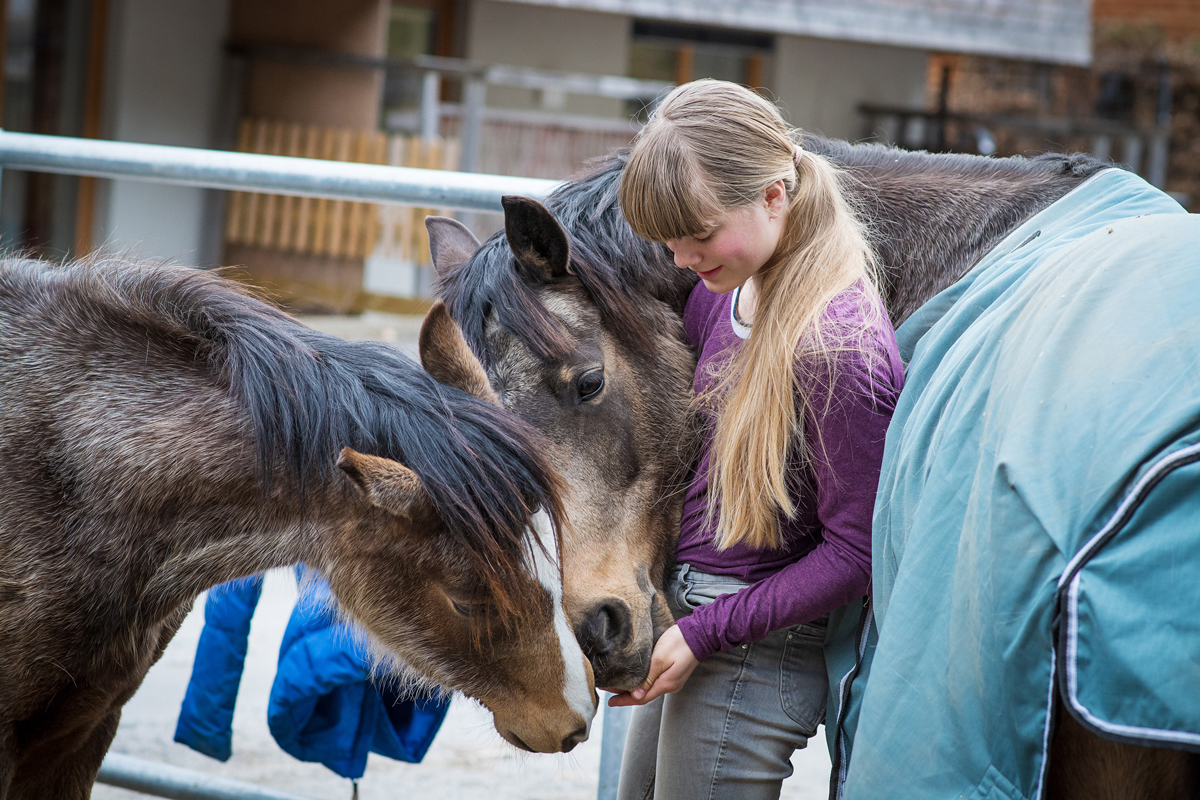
(1039, 505)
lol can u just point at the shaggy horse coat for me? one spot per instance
(162, 432)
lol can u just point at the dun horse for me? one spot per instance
(577, 322)
(162, 432)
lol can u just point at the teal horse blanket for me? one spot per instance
(1038, 523)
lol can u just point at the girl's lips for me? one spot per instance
(712, 273)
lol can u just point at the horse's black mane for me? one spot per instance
(977, 201)
(932, 216)
(308, 394)
(615, 266)
(876, 156)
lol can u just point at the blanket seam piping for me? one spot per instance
(1071, 579)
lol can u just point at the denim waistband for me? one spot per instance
(687, 573)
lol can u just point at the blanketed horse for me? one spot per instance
(568, 293)
(162, 432)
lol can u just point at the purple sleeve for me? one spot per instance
(838, 569)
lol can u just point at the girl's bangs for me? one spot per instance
(664, 194)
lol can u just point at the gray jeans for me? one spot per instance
(731, 730)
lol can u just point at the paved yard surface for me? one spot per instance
(468, 760)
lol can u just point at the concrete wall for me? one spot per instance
(549, 38)
(162, 82)
(820, 82)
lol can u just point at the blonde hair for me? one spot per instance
(710, 147)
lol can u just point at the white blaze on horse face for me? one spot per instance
(575, 684)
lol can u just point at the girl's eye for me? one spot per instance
(590, 384)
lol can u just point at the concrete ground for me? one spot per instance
(467, 760)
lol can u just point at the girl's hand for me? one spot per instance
(670, 667)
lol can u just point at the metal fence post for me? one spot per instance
(1132, 156)
(474, 97)
(612, 749)
(1160, 150)
(431, 101)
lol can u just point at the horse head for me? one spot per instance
(602, 371)
(486, 618)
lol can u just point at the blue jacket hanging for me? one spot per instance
(324, 706)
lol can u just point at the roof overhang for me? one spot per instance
(1056, 31)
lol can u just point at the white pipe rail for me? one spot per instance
(250, 172)
(164, 780)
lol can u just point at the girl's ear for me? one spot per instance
(775, 197)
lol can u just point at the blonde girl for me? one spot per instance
(797, 379)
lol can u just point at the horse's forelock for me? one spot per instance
(510, 479)
(488, 287)
(614, 266)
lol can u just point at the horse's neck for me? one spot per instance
(932, 217)
(208, 544)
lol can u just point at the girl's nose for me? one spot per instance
(685, 258)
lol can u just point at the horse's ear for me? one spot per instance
(450, 243)
(537, 241)
(446, 355)
(385, 483)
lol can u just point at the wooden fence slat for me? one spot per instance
(305, 216)
(400, 229)
(337, 213)
(235, 225)
(289, 206)
(270, 202)
(355, 212)
(371, 229)
(413, 158)
(320, 243)
(255, 201)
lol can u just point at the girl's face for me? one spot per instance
(736, 244)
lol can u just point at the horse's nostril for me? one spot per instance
(568, 744)
(607, 627)
(519, 742)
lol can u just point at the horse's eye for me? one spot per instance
(460, 607)
(590, 384)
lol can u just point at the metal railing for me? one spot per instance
(220, 169)
(164, 780)
(475, 77)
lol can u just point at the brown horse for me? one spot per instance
(577, 322)
(162, 432)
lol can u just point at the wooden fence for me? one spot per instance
(334, 228)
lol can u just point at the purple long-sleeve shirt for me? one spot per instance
(825, 559)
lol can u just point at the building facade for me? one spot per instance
(328, 79)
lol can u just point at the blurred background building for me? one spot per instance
(535, 88)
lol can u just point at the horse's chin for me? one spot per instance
(622, 675)
(625, 670)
